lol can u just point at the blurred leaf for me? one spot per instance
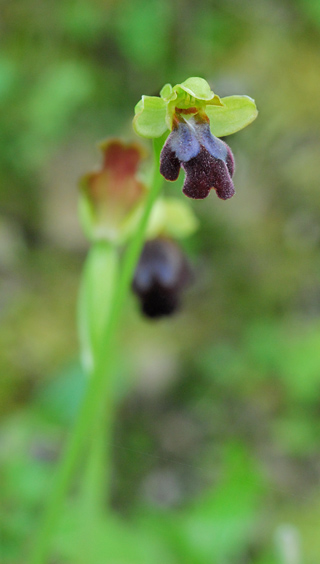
(8, 75)
(221, 525)
(223, 364)
(59, 92)
(111, 541)
(84, 21)
(28, 447)
(60, 398)
(143, 30)
(300, 364)
(312, 9)
(297, 432)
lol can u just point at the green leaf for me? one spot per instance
(236, 113)
(59, 92)
(150, 118)
(59, 400)
(142, 31)
(196, 87)
(112, 541)
(219, 526)
(8, 76)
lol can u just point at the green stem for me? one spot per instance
(99, 285)
(97, 475)
(94, 483)
(98, 383)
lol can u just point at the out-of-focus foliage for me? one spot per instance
(216, 445)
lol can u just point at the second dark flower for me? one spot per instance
(161, 275)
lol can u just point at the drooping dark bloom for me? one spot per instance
(161, 275)
(207, 161)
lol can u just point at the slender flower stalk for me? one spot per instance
(100, 385)
(185, 123)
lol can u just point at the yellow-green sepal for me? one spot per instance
(197, 88)
(236, 113)
(150, 117)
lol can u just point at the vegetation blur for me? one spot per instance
(216, 450)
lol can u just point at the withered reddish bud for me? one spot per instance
(114, 190)
(207, 161)
(161, 275)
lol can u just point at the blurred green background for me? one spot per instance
(217, 440)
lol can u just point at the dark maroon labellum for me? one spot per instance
(161, 274)
(207, 161)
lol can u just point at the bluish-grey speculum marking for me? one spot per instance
(207, 161)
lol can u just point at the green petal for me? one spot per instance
(216, 101)
(150, 118)
(167, 92)
(235, 114)
(196, 87)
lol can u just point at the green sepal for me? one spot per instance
(172, 217)
(236, 113)
(228, 115)
(150, 117)
(95, 298)
(197, 88)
